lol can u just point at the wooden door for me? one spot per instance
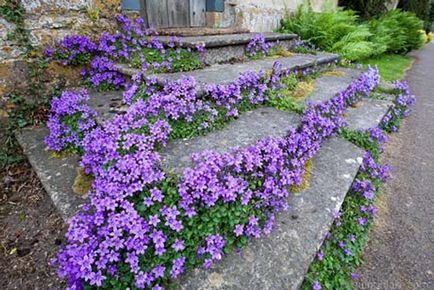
(197, 13)
(175, 13)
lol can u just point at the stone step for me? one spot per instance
(106, 104)
(199, 31)
(228, 73)
(222, 40)
(367, 113)
(280, 260)
(229, 47)
(57, 175)
(246, 130)
(332, 83)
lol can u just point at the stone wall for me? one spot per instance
(264, 15)
(46, 21)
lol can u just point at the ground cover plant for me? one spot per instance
(258, 47)
(341, 31)
(391, 66)
(335, 264)
(143, 227)
(134, 44)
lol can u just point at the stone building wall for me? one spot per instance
(264, 15)
(46, 21)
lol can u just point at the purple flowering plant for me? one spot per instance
(258, 46)
(340, 253)
(143, 227)
(402, 107)
(72, 50)
(70, 120)
(136, 210)
(132, 43)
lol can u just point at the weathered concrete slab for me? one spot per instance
(327, 86)
(367, 114)
(56, 174)
(227, 39)
(229, 47)
(279, 261)
(106, 104)
(246, 130)
(227, 73)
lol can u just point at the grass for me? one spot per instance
(392, 66)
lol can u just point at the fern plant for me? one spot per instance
(341, 31)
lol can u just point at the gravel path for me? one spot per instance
(400, 252)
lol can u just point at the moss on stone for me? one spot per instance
(334, 73)
(305, 180)
(82, 182)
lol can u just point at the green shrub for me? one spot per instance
(419, 7)
(331, 30)
(340, 31)
(397, 31)
(365, 8)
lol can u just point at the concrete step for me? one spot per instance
(229, 47)
(246, 130)
(280, 261)
(332, 83)
(367, 113)
(227, 73)
(57, 175)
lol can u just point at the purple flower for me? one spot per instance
(316, 285)
(239, 229)
(178, 245)
(320, 255)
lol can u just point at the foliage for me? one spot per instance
(422, 8)
(336, 31)
(144, 227)
(12, 11)
(365, 8)
(401, 108)
(396, 32)
(391, 66)
(134, 44)
(336, 262)
(341, 32)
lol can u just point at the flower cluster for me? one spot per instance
(302, 46)
(69, 121)
(345, 241)
(401, 108)
(133, 43)
(142, 224)
(103, 74)
(257, 46)
(250, 87)
(73, 50)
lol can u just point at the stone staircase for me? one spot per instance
(281, 259)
